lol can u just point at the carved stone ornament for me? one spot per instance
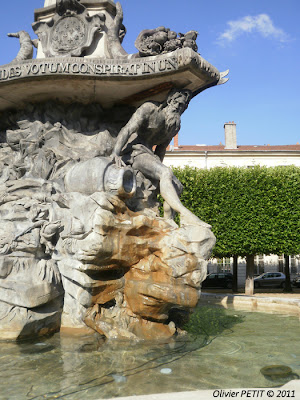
(70, 31)
(152, 42)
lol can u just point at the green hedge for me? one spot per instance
(251, 210)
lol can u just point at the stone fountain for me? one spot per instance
(84, 130)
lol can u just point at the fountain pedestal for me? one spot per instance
(84, 130)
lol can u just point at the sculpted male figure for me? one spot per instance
(155, 124)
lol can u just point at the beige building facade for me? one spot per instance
(230, 154)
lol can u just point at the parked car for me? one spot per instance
(270, 279)
(296, 282)
(220, 280)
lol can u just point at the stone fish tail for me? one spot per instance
(26, 45)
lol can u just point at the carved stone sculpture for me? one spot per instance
(26, 45)
(82, 243)
(144, 130)
(73, 229)
(152, 42)
(70, 31)
(115, 35)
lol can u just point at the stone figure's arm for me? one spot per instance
(115, 49)
(133, 125)
(161, 149)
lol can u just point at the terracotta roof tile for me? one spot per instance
(291, 147)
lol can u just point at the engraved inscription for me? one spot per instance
(92, 68)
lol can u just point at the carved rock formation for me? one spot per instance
(74, 252)
(130, 271)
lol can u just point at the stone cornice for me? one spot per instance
(108, 78)
(47, 12)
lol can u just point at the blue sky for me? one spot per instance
(258, 40)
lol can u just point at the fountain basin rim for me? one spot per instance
(278, 305)
(107, 81)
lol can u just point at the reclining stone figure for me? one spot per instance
(155, 124)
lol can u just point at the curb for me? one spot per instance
(253, 303)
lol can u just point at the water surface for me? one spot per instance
(87, 368)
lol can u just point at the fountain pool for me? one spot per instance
(79, 368)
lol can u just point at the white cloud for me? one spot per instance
(261, 24)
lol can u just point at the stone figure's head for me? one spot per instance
(178, 100)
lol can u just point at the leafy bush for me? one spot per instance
(251, 210)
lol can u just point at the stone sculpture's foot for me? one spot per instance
(188, 218)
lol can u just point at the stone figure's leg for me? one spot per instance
(152, 168)
(168, 211)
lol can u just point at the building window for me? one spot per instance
(259, 262)
(294, 264)
(224, 264)
(281, 263)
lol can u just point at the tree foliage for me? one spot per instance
(251, 210)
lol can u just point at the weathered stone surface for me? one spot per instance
(102, 71)
(75, 223)
(70, 31)
(29, 295)
(130, 81)
(156, 282)
(26, 46)
(107, 41)
(22, 323)
(152, 42)
(82, 245)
